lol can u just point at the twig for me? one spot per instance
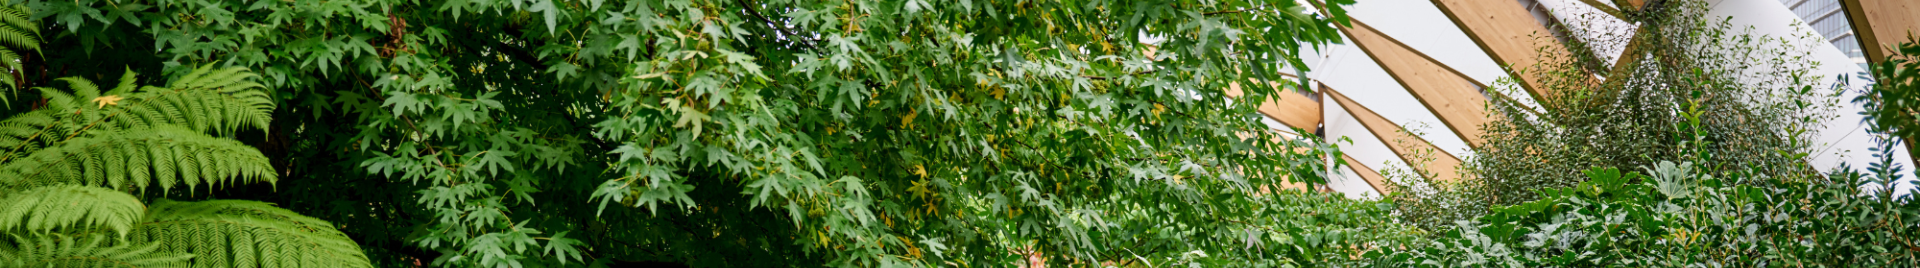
(1222, 12)
(777, 26)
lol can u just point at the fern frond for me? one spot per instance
(18, 16)
(225, 80)
(137, 158)
(127, 84)
(83, 89)
(12, 61)
(223, 101)
(58, 250)
(200, 109)
(21, 39)
(240, 233)
(69, 207)
(17, 134)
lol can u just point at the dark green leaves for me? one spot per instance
(768, 133)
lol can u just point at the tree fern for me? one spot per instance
(68, 167)
(165, 156)
(95, 250)
(240, 233)
(207, 99)
(44, 209)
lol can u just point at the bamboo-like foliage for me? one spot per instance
(240, 233)
(52, 208)
(96, 250)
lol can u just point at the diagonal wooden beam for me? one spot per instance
(1373, 178)
(1507, 32)
(1631, 5)
(1604, 8)
(1453, 97)
(1882, 23)
(1290, 108)
(1443, 167)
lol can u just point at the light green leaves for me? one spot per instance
(81, 154)
(230, 233)
(547, 11)
(96, 250)
(41, 210)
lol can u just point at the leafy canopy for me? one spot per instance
(764, 133)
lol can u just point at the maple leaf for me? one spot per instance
(103, 101)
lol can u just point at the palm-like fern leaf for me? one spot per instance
(227, 99)
(239, 233)
(69, 207)
(96, 250)
(134, 159)
(128, 138)
(222, 100)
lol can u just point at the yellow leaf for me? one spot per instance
(823, 237)
(907, 120)
(107, 100)
(1000, 93)
(913, 251)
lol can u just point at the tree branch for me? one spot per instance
(1222, 12)
(518, 54)
(777, 26)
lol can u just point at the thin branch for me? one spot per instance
(1222, 12)
(777, 26)
(1106, 78)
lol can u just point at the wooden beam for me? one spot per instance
(1374, 179)
(1506, 31)
(1443, 167)
(1290, 108)
(1456, 99)
(1631, 5)
(1604, 8)
(1882, 23)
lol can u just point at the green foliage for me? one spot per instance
(73, 161)
(240, 233)
(18, 34)
(1893, 101)
(131, 137)
(95, 250)
(166, 156)
(1677, 217)
(52, 208)
(1743, 196)
(1749, 99)
(762, 133)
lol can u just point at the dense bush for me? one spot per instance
(1678, 217)
(511, 133)
(1748, 97)
(863, 133)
